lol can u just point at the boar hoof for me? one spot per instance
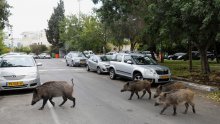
(41, 108)
(129, 99)
(73, 106)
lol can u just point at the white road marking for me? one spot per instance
(54, 115)
(43, 70)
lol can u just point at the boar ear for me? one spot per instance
(127, 83)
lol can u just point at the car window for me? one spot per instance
(127, 58)
(104, 58)
(77, 54)
(119, 58)
(139, 60)
(17, 62)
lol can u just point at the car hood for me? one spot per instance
(17, 71)
(154, 67)
(105, 63)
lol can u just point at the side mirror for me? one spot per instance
(39, 64)
(129, 62)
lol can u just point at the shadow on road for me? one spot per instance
(15, 92)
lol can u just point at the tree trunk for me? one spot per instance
(216, 52)
(204, 61)
(190, 56)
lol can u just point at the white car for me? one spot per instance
(44, 56)
(18, 72)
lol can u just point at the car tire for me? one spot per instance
(112, 74)
(99, 70)
(72, 64)
(87, 68)
(67, 63)
(138, 76)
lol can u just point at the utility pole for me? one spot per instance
(12, 40)
(79, 12)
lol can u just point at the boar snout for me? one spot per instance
(155, 96)
(122, 90)
(156, 104)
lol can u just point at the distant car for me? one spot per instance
(99, 63)
(111, 53)
(88, 53)
(177, 56)
(18, 72)
(75, 59)
(44, 56)
(34, 55)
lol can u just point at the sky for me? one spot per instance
(32, 15)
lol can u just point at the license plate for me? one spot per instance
(82, 62)
(12, 84)
(164, 77)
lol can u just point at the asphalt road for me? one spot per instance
(98, 101)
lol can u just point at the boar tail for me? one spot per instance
(72, 81)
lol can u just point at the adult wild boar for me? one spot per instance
(169, 87)
(51, 89)
(176, 97)
(136, 86)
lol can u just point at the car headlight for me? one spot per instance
(1, 78)
(76, 60)
(152, 71)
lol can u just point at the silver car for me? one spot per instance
(138, 67)
(18, 72)
(99, 63)
(44, 56)
(75, 59)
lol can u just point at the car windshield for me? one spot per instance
(77, 55)
(139, 60)
(105, 58)
(17, 61)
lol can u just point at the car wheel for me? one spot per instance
(138, 76)
(72, 64)
(87, 68)
(112, 74)
(99, 70)
(67, 63)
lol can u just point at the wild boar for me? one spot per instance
(168, 87)
(51, 89)
(136, 86)
(176, 97)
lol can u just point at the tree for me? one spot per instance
(37, 49)
(194, 20)
(127, 13)
(53, 33)
(4, 13)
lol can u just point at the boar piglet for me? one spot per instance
(176, 97)
(169, 87)
(51, 89)
(136, 86)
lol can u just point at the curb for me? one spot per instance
(200, 86)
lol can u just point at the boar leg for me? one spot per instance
(64, 100)
(132, 93)
(187, 106)
(174, 110)
(193, 107)
(136, 92)
(72, 99)
(149, 91)
(164, 108)
(44, 102)
(52, 101)
(144, 92)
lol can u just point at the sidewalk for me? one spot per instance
(199, 86)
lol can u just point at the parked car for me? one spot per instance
(138, 67)
(18, 72)
(195, 56)
(177, 56)
(44, 56)
(76, 59)
(35, 56)
(99, 63)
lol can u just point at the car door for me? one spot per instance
(69, 58)
(127, 68)
(93, 63)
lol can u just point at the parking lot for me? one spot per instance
(98, 101)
